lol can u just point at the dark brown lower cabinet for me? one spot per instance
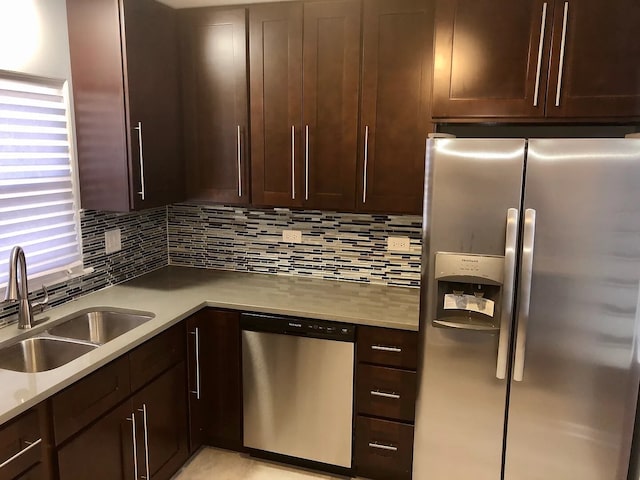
(386, 389)
(215, 379)
(104, 451)
(383, 449)
(128, 420)
(162, 424)
(145, 435)
(16, 440)
(386, 392)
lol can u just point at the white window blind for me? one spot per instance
(38, 208)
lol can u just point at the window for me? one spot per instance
(38, 206)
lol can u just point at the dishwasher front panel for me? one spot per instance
(298, 396)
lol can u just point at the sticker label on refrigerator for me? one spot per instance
(470, 303)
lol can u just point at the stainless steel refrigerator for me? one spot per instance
(530, 359)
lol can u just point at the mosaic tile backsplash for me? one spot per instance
(335, 246)
(144, 248)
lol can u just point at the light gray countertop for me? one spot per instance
(174, 293)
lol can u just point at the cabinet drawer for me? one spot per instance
(86, 400)
(385, 346)
(386, 392)
(157, 355)
(383, 450)
(15, 437)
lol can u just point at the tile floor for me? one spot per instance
(211, 463)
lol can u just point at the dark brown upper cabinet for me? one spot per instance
(537, 59)
(125, 91)
(275, 53)
(595, 65)
(491, 58)
(215, 106)
(395, 109)
(331, 84)
(305, 79)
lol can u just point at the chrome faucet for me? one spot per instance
(20, 292)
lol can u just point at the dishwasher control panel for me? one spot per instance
(303, 327)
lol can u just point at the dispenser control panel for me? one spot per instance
(469, 268)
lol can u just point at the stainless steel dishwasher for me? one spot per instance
(298, 388)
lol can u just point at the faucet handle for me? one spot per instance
(40, 306)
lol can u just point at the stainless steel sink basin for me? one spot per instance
(40, 354)
(99, 326)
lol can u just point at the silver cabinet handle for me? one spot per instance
(563, 45)
(146, 439)
(196, 333)
(293, 162)
(536, 92)
(510, 246)
(239, 152)
(525, 292)
(366, 164)
(382, 446)
(21, 452)
(140, 150)
(135, 444)
(378, 393)
(382, 348)
(306, 163)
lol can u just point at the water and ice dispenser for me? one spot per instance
(469, 291)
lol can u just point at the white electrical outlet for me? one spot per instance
(292, 236)
(112, 241)
(398, 244)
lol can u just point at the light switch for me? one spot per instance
(112, 241)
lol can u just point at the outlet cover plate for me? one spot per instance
(398, 244)
(112, 241)
(292, 236)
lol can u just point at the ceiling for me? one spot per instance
(207, 3)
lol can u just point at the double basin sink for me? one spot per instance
(69, 340)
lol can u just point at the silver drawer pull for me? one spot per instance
(382, 348)
(378, 393)
(382, 446)
(21, 452)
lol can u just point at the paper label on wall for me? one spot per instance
(470, 303)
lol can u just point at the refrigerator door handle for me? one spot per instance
(525, 292)
(511, 240)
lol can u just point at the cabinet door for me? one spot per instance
(16, 437)
(215, 379)
(331, 72)
(597, 74)
(491, 58)
(151, 52)
(162, 424)
(98, 97)
(397, 43)
(275, 53)
(214, 89)
(104, 451)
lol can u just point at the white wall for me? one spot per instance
(34, 39)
